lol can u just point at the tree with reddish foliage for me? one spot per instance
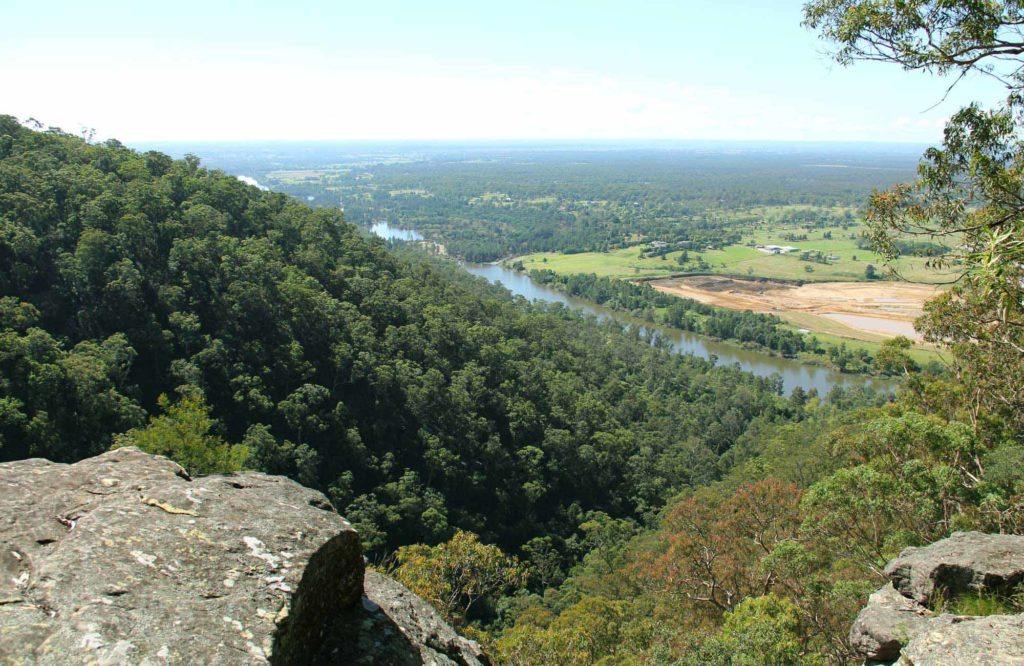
(714, 548)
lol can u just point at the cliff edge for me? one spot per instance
(125, 559)
(899, 625)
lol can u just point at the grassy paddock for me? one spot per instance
(744, 259)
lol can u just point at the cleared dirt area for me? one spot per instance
(859, 310)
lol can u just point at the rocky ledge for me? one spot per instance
(125, 559)
(897, 625)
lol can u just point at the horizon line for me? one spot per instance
(531, 141)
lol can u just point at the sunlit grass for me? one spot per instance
(743, 260)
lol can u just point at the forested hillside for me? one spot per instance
(561, 489)
(770, 564)
(150, 301)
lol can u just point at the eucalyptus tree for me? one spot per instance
(969, 191)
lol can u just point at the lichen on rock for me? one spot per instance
(125, 559)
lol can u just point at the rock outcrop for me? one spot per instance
(995, 640)
(886, 624)
(897, 625)
(964, 561)
(398, 628)
(123, 559)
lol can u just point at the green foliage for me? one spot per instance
(981, 602)
(908, 479)
(421, 399)
(589, 632)
(182, 433)
(928, 35)
(762, 630)
(892, 357)
(458, 574)
(670, 512)
(752, 569)
(57, 403)
(968, 194)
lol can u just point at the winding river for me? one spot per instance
(793, 372)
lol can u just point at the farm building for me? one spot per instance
(777, 249)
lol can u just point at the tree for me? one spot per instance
(909, 479)
(182, 433)
(970, 190)
(457, 574)
(715, 547)
(930, 35)
(892, 357)
(761, 631)
(584, 634)
(870, 272)
(422, 400)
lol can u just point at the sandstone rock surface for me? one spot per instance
(963, 561)
(897, 624)
(886, 624)
(995, 640)
(394, 627)
(123, 559)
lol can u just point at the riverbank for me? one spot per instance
(794, 373)
(807, 373)
(865, 311)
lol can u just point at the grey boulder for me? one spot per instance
(886, 624)
(995, 640)
(896, 624)
(124, 559)
(961, 562)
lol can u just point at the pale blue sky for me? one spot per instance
(389, 69)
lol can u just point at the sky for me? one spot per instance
(454, 70)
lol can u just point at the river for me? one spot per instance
(386, 231)
(793, 373)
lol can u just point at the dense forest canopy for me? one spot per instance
(771, 563)
(149, 301)
(541, 476)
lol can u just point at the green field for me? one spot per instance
(739, 260)
(921, 355)
(847, 263)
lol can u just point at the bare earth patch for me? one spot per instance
(859, 310)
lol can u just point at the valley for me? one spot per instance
(625, 211)
(793, 373)
(575, 333)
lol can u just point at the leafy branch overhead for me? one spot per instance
(969, 190)
(936, 36)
